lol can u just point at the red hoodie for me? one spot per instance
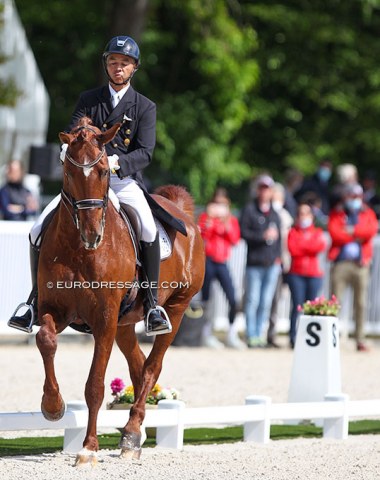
(364, 231)
(218, 236)
(305, 244)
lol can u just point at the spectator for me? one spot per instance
(346, 174)
(370, 196)
(220, 231)
(352, 226)
(260, 227)
(286, 222)
(16, 201)
(320, 219)
(293, 182)
(319, 183)
(305, 277)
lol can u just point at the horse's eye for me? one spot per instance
(103, 173)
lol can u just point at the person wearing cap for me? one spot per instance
(352, 225)
(128, 153)
(261, 228)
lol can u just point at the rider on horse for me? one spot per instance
(129, 153)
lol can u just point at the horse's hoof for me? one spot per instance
(126, 454)
(54, 416)
(130, 444)
(86, 458)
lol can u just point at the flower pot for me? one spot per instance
(150, 431)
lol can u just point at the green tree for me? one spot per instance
(8, 89)
(197, 66)
(202, 70)
(319, 83)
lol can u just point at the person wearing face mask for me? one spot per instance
(286, 221)
(305, 277)
(319, 184)
(352, 226)
(260, 227)
(220, 231)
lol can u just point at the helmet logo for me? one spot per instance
(120, 43)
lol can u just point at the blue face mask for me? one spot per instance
(324, 174)
(353, 204)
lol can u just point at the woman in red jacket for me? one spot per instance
(305, 243)
(220, 231)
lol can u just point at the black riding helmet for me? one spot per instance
(124, 46)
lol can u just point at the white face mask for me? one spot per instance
(277, 205)
(306, 222)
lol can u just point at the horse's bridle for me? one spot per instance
(88, 203)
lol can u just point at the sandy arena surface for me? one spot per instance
(204, 377)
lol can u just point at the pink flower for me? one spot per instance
(117, 385)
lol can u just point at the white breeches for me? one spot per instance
(127, 191)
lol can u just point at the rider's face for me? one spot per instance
(120, 68)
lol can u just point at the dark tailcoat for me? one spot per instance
(134, 143)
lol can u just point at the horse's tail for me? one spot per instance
(178, 195)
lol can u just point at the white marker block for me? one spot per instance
(316, 363)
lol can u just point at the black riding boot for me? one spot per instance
(26, 321)
(156, 320)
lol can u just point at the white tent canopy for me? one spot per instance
(26, 124)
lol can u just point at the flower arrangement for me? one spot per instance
(321, 306)
(125, 394)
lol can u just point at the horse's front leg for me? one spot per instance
(52, 404)
(94, 391)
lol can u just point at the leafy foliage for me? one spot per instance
(240, 86)
(9, 92)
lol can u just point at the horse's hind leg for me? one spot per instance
(127, 342)
(52, 405)
(131, 437)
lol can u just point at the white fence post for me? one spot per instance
(258, 430)
(337, 427)
(171, 436)
(73, 437)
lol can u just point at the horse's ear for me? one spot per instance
(109, 134)
(65, 137)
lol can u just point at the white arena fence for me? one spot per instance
(172, 417)
(15, 284)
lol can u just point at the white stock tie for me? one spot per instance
(115, 100)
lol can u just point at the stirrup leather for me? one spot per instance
(150, 333)
(27, 329)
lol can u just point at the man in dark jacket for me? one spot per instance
(129, 153)
(16, 201)
(260, 228)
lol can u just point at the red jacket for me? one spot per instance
(219, 236)
(363, 232)
(305, 244)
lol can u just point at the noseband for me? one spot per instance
(72, 205)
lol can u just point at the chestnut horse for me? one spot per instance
(88, 245)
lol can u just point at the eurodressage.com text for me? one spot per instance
(93, 285)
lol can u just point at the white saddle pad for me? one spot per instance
(165, 243)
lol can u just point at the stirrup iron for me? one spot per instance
(27, 329)
(159, 332)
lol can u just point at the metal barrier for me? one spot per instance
(15, 283)
(237, 263)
